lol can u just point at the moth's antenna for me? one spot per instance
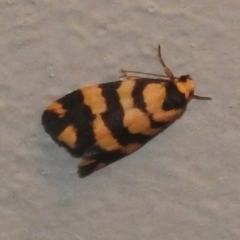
(165, 68)
(200, 97)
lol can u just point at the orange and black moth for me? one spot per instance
(106, 122)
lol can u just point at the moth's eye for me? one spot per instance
(184, 78)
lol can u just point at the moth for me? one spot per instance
(105, 122)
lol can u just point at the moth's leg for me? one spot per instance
(125, 73)
(96, 158)
(165, 68)
(201, 97)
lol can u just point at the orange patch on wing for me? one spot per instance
(136, 121)
(103, 135)
(57, 108)
(153, 131)
(125, 93)
(154, 95)
(94, 99)
(68, 136)
(166, 116)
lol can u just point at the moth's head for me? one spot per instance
(185, 85)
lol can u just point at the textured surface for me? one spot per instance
(184, 184)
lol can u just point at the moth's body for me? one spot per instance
(103, 123)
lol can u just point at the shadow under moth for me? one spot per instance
(105, 122)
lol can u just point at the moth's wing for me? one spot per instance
(69, 122)
(161, 99)
(95, 158)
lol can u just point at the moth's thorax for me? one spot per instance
(185, 85)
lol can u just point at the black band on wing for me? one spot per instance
(113, 117)
(174, 98)
(80, 116)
